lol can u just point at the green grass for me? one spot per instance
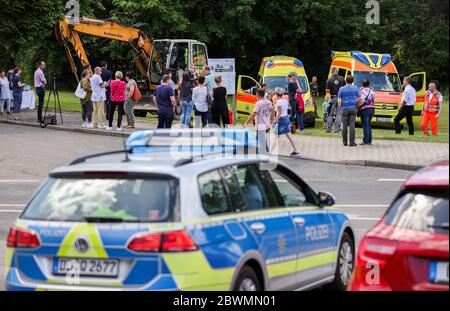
(69, 102)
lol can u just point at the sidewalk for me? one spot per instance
(383, 153)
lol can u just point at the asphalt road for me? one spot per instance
(27, 154)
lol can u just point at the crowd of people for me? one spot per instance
(204, 97)
(344, 102)
(202, 94)
(11, 88)
(101, 95)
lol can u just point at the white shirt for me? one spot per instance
(199, 98)
(98, 92)
(5, 91)
(409, 96)
(284, 104)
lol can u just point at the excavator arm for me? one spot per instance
(69, 34)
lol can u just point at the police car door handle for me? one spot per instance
(258, 227)
(299, 221)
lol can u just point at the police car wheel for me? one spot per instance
(345, 264)
(247, 281)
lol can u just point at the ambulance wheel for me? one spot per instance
(310, 119)
(247, 281)
(345, 264)
(178, 111)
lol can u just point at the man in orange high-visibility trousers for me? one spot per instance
(431, 108)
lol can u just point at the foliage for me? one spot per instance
(415, 32)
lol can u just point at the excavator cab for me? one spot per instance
(177, 55)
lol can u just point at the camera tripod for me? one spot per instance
(54, 96)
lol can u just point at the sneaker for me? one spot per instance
(82, 125)
(100, 127)
(108, 128)
(119, 129)
(90, 126)
(295, 154)
(328, 131)
(353, 145)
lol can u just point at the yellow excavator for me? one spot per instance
(152, 57)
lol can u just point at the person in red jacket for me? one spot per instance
(431, 108)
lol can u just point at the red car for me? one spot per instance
(408, 248)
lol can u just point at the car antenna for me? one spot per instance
(127, 159)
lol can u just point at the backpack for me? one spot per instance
(300, 102)
(137, 96)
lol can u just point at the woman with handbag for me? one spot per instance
(117, 90)
(366, 111)
(84, 92)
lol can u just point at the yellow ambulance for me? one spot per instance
(273, 72)
(384, 79)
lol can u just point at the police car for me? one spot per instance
(146, 221)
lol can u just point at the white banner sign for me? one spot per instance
(226, 68)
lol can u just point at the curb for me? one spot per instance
(66, 129)
(378, 164)
(367, 163)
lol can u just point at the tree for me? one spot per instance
(27, 33)
(415, 32)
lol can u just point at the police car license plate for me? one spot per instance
(86, 267)
(438, 272)
(383, 119)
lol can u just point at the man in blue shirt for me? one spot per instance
(165, 102)
(348, 101)
(168, 72)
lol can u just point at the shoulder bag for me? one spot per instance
(80, 93)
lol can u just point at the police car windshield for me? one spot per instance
(281, 81)
(88, 199)
(379, 81)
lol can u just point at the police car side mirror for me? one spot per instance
(326, 199)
